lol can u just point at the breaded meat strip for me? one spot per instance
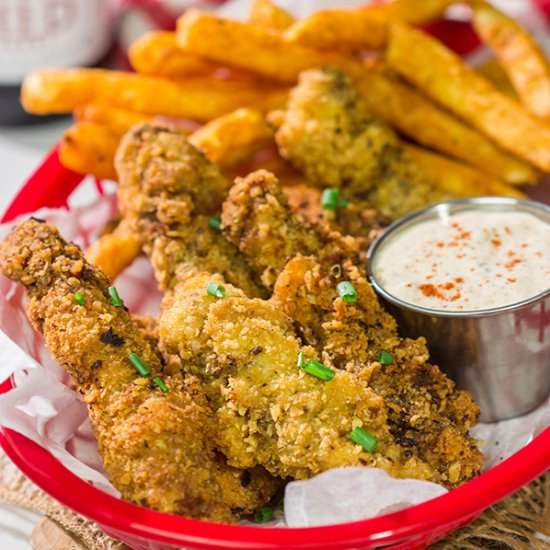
(329, 133)
(427, 416)
(270, 411)
(168, 192)
(155, 444)
(256, 217)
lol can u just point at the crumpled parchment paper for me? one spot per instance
(45, 409)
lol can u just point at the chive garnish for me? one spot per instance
(140, 366)
(363, 438)
(301, 360)
(331, 199)
(160, 384)
(214, 289)
(385, 358)
(79, 298)
(347, 291)
(315, 368)
(215, 222)
(115, 298)
(336, 271)
(261, 515)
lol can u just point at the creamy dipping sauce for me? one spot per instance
(467, 261)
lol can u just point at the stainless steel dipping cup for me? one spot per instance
(500, 355)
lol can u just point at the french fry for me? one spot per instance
(234, 137)
(425, 122)
(266, 15)
(157, 53)
(89, 148)
(115, 251)
(492, 70)
(457, 178)
(339, 29)
(415, 12)
(200, 98)
(396, 103)
(442, 75)
(248, 47)
(361, 28)
(519, 55)
(118, 120)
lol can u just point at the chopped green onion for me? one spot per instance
(79, 299)
(347, 291)
(385, 358)
(140, 366)
(336, 271)
(317, 369)
(115, 298)
(215, 222)
(214, 289)
(363, 438)
(331, 200)
(301, 360)
(160, 384)
(261, 515)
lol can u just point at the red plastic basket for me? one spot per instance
(414, 528)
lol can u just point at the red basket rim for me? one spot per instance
(439, 515)
(50, 186)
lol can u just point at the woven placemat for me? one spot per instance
(520, 522)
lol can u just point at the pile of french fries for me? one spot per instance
(472, 133)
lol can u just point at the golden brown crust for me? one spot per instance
(156, 446)
(328, 132)
(257, 218)
(420, 403)
(167, 192)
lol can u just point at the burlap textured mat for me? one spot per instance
(520, 522)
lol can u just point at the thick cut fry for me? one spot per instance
(89, 148)
(415, 12)
(340, 29)
(115, 251)
(424, 122)
(519, 54)
(248, 47)
(266, 15)
(457, 178)
(443, 76)
(157, 53)
(118, 120)
(492, 70)
(62, 90)
(362, 28)
(234, 137)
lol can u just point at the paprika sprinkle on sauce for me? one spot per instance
(467, 261)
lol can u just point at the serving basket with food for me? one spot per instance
(211, 325)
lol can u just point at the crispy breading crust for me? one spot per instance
(256, 217)
(167, 192)
(423, 409)
(156, 447)
(328, 132)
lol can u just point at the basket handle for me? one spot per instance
(49, 186)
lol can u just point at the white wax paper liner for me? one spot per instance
(43, 407)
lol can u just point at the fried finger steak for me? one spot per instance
(428, 418)
(168, 192)
(328, 132)
(155, 445)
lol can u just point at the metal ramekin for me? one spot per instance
(500, 355)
